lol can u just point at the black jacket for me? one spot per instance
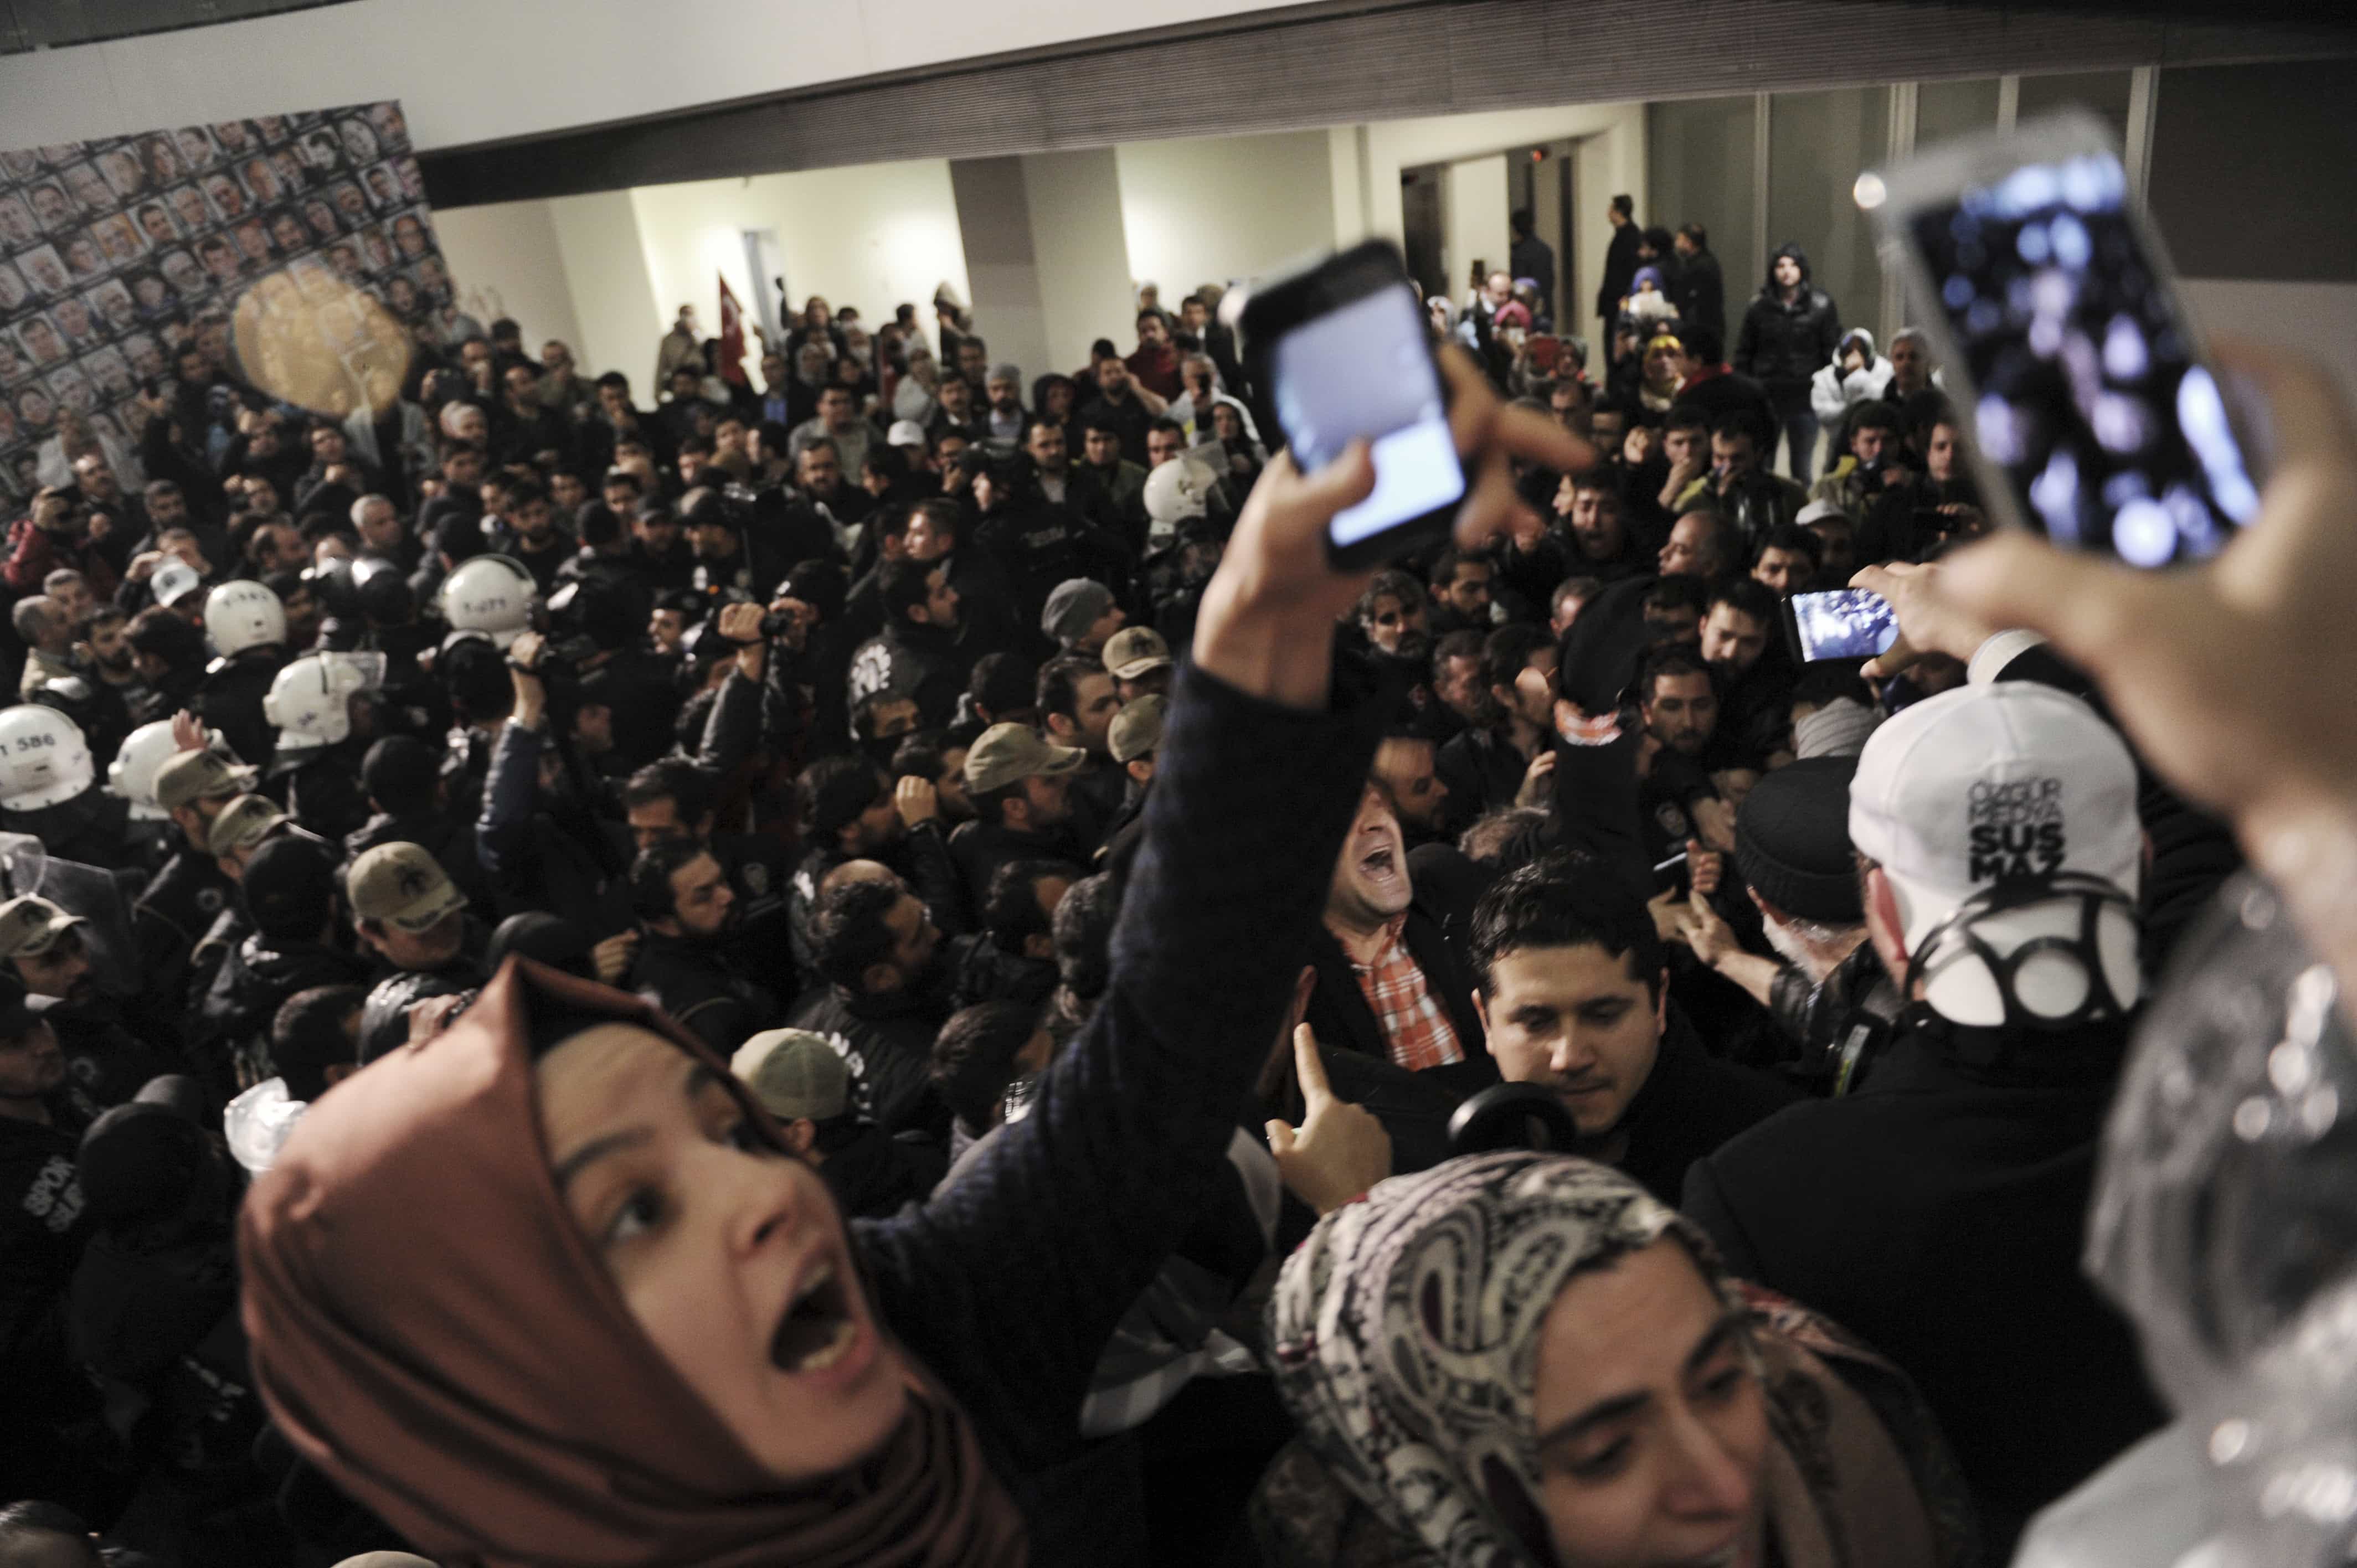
(1339, 1013)
(94, 828)
(1939, 1213)
(1700, 292)
(1619, 269)
(1783, 346)
(1484, 772)
(254, 980)
(910, 661)
(1047, 1238)
(231, 701)
(875, 1174)
(978, 849)
(888, 1043)
(695, 983)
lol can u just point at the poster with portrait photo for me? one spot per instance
(125, 175)
(119, 240)
(18, 228)
(77, 325)
(53, 209)
(156, 223)
(112, 304)
(89, 190)
(384, 187)
(109, 369)
(260, 177)
(36, 410)
(85, 260)
(351, 207)
(225, 196)
(242, 239)
(43, 345)
(147, 357)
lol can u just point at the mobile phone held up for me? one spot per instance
(1343, 348)
(2059, 327)
(1842, 623)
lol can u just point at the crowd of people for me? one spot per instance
(871, 959)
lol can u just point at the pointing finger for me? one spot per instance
(1310, 1068)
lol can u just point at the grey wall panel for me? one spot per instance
(1330, 64)
(27, 24)
(2255, 170)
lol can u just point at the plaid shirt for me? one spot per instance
(1416, 1030)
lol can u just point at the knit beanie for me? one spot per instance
(1837, 729)
(1073, 607)
(1792, 840)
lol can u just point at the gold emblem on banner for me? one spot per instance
(307, 337)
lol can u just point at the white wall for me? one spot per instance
(1611, 157)
(477, 70)
(1082, 253)
(875, 235)
(1473, 220)
(606, 272)
(507, 260)
(1213, 209)
(994, 214)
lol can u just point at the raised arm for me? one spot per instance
(1053, 1232)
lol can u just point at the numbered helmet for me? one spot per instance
(1177, 490)
(243, 614)
(310, 702)
(44, 758)
(131, 775)
(489, 597)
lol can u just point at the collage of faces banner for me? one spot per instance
(293, 252)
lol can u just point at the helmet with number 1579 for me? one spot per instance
(44, 758)
(491, 597)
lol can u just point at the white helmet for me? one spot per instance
(131, 775)
(44, 759)
(1176, 491)
(490, 595)
(243, 614)
(310, 702)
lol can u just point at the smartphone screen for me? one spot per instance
(1844, 623)
(2088, 391)
(1363, 370)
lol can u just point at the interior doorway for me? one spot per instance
(1543, 187)
(1423, 222)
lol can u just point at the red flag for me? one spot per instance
(732, 336)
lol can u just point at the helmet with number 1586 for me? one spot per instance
(44, 758)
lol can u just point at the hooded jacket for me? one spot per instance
(1783, 345)
(1834, 391)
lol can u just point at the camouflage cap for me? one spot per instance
(403, 886)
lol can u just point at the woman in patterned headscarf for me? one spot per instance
(1518, 1360)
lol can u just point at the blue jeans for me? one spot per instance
(1798, 420)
